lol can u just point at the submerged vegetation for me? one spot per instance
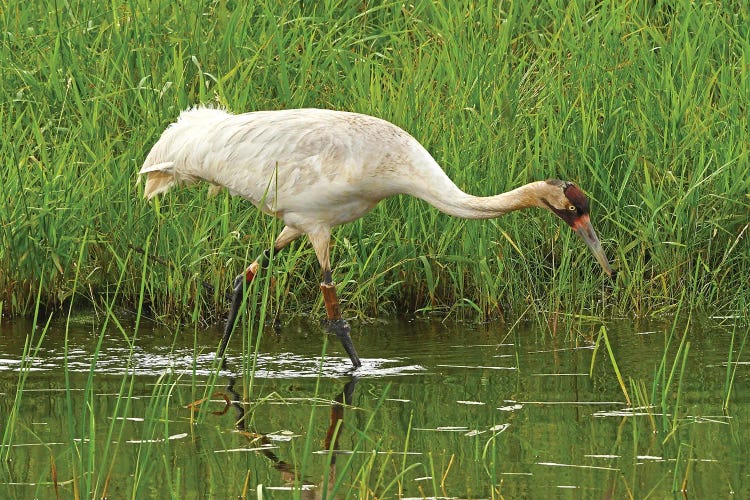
(644, 104)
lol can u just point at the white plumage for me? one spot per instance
(311, 167)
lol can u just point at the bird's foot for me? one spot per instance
(337, 326)
(342, 330)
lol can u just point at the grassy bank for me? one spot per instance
(645, 106)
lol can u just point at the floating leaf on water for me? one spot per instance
(554, 464)
(510, 407)
(480, 345)
(707, 419)
(239, 450)
(572, 402)
(563, 349)
(157, 440)
(626, 413)
(283, 436)
(443, 429)
(303, 487)
(25, 445)
(351, 452)
(479, 367)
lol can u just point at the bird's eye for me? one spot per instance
(572, 208)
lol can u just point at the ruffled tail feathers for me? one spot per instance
(159, 178)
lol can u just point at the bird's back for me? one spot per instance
(307, 163)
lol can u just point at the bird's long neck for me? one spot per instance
(448, 198)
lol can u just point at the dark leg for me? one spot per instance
(286, 236)
(237, 287)
(336, 324)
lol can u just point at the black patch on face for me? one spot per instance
(576, 198)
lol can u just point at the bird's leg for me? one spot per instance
(239, 283)
(336, 324)
(286, 236)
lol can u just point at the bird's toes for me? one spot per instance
(338, 326)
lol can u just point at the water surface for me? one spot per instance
(438, 409)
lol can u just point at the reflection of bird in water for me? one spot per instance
(316, 169)
(288, 471)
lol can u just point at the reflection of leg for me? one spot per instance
(237, 404)
(336, 324)
(337, 415)
(349, 390)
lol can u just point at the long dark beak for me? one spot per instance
(582, 226)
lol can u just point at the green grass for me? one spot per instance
(644, 104)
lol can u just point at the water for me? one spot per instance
(438, 409)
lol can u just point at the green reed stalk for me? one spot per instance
(663, 381)
(642, 400)
(732, 360)
(603, 336)
(684, 354)
(732, 364)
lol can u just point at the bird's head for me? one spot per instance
(568, 202)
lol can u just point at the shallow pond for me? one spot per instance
(438, 409)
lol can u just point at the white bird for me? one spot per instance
(316, 169)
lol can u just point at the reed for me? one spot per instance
(642, 104)
(733, 361)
